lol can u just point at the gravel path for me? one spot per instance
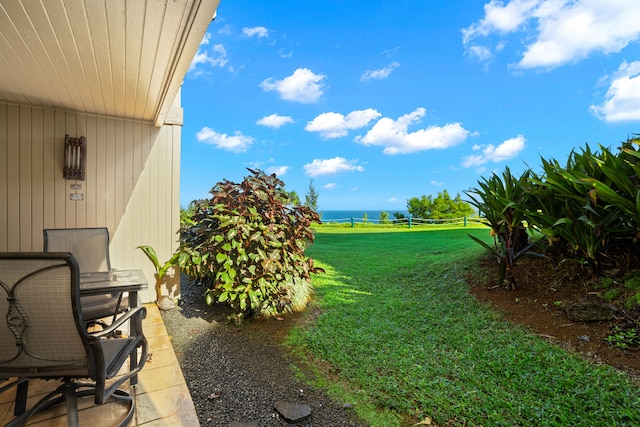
(236, 374)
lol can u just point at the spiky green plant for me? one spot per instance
(500, 200)
(565, 206)
(619, 185)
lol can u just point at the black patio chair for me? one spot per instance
(43, 335)
(90, 247)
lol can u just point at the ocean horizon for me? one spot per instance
(346, 215)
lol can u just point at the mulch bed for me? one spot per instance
(541, 301)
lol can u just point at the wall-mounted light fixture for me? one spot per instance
(75, 157)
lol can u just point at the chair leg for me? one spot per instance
(115, 314)
(71, 399)
(68, 392)
(46, 402)
(56, 397)
(21, 398)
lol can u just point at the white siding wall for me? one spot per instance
(131, 187)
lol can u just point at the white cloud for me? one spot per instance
(274, 121)
(500, 18)
(333, 166)
(237, 143)
(380, 74)
(557, 32)
(255, 31)
(334, 125)
(284, 53)
(437, 183)
(507, 150)
(622, 101)
(395, 137)
(278, 170)
(302, 86)
(329, 186)
(225, 29)
(216, 57)
(482, 53)
(390, 52)
(259, 164)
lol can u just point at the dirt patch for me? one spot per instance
(543, 296)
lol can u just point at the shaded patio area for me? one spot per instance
(162, 397)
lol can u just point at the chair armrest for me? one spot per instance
(7, 383)
(135, 314)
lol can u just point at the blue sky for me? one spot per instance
(381, 101)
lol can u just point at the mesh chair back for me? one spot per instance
(40, 321)
(89, 246)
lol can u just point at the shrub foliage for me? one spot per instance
(440, 207)
(587, 210)
(247, 244)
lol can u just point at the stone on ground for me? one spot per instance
(292, 412)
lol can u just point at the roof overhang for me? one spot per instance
(115, 58)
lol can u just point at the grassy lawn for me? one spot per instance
(400, 338)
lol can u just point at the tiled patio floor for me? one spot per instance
(162, 396)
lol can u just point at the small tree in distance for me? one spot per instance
(311, 197)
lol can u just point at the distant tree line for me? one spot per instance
(440, 207)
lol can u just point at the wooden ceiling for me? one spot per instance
(117, 58)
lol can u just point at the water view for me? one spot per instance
(372, 215)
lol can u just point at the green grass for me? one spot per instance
(373, 226)
(401, 338)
